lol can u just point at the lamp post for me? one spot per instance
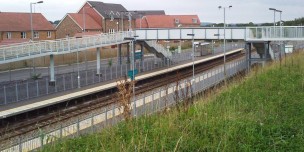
(225, 72)
(133, 40)
(193, 47)
(274, 11)
(32, 30)
(281, 44)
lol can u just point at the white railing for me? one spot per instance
(277, 33)
(23, 51)
(160, 49)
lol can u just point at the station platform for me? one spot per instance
(45, 101)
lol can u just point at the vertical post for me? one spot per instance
(52, 71)
(113, 114)
(20, 144)
(92, 122)
(16, 91)
(98, 60)
(5, 100)
(142, 57)
(119, 53)
(77, 126)
(106, 115)
(225, 74)
(78, 74)
(128, 53)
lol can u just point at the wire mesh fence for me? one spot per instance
(24, 90)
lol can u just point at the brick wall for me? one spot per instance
(67, 27)
(113, 25)
(17, 35)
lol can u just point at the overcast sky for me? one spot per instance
(243, 11)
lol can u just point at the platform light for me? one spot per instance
(193, 47)
(32, 30)
(225, 73)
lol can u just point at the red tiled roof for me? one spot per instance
(90, 23)
(10, 21)
(156, 21)
(186, 19)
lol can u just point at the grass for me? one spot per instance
(263, 112)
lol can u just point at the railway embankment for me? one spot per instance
(263, 111)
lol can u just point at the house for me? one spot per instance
(155, 21)
(104, 17)
(186, 20)
(16, 28)
(72, 24)
(168, 21)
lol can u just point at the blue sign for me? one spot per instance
(138, 55)
(130, 73)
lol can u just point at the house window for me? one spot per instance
(49, 34)
(176, 21)
(194, 20)
(8, 35)
(111, 31)
(36, 34)
(23, 35)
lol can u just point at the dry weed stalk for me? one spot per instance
(124, 96)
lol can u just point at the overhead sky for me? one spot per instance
(242, 11)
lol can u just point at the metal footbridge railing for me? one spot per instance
(277, 33)
(24, 51)
(160, 49)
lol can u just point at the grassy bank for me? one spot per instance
(264, 112)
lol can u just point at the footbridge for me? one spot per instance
(24, 51)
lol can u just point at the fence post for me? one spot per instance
(144, 104)
(111, 71)
(63, 77)
(37, 87)
(116, 71)
(46, 86)
(92, 122)
(106, 115)
(72, 82)
(113, 115)
(4, 91)
(77, 126)
(20, 144)
(41, 138)
(86, 77)
(105, 69)
(16, 87)
(60, 136)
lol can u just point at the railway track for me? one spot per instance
(80, 108)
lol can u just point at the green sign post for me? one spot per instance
(130, 73)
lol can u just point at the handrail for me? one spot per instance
(23, 51)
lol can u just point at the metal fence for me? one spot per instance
(17, 52)
(19, 91)
(147, 103)
(284, 33)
